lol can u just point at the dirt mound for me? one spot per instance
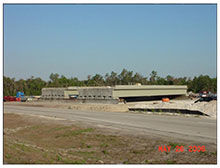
(209, 108)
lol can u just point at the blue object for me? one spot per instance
(19, 94)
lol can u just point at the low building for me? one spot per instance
(71, 92)
(127, 92)
(58, 93)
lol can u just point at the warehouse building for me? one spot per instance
(126, 92)
(59, 93)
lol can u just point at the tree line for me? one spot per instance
(33, 86)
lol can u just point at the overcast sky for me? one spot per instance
(82, 40)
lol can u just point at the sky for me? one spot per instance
(81, 40)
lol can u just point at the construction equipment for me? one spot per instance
(206, 96)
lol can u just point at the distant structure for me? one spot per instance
(58, 93)
(116, 93)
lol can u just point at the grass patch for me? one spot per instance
(61, 128)
(79, 162)
(45, 154)
(104, 145)
(89, 146)
(105, 152)
(22, 147)
(8, 156)
(59, 158)
(147, 162)
(214, 153)
(75, 132)
(35, 127)
(170, 162)
(173, 145)
(82, 153)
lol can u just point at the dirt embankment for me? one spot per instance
(209, 108)
(31, 140)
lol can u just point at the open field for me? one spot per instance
(33, 139)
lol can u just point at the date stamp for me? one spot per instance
(194, 148)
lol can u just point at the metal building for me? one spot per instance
(114, 93)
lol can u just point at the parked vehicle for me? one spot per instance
(26, 99)
(9, 98)
(23, 99)
(18, 97)
(206, 96)
(19, 94)
(29, 99)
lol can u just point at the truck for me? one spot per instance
(18, 97)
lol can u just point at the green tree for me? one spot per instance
(125, 77)
(33, 86)
(170, 80)
(138, 78)
(97, 80)
(9, 88)
(54, 80)
(112, 79)
(153, 76)
(202, 83)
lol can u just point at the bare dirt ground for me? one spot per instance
(209, 108)
(74, 106)
(30, 139)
